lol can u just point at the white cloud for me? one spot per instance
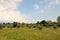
(11, 4)
(57, 2)
(8, 11)
(54, 2)
(12, 16)
(37, 6)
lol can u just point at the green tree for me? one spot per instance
(43, 22)
(58, 20)
(39, 26)
(38, 22)
(14, 24)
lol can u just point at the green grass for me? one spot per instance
(30, 34)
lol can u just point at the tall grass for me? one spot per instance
(29, 34)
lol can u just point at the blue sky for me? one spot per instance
(28, 7)
(29, 10)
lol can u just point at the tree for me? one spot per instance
(14, 24)
(58, 20)
(39, 26)
(38, 22)
(43, 22)
(50, 23)
(22, 25)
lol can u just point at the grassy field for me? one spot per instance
(30, 34)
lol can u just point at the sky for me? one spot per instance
(29, 11)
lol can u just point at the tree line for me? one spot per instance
(38, 24)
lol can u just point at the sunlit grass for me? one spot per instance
(29, 34)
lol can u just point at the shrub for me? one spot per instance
(43, 22)
(14, 24)
(1, 26)
(55, 26)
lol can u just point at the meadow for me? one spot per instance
(29, 34)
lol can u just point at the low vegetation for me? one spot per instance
(42, 30)
(29, 34)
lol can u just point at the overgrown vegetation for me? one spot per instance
(29, 34)
(39, 25)
(31, 31)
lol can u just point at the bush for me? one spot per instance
(14, 24)
(55, 26)
(43, 22)
(1, 26)
(40, 28)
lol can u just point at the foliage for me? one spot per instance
(29, 34)
(30, 31)
(44, 23)
(38, 24)
(58, 19)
